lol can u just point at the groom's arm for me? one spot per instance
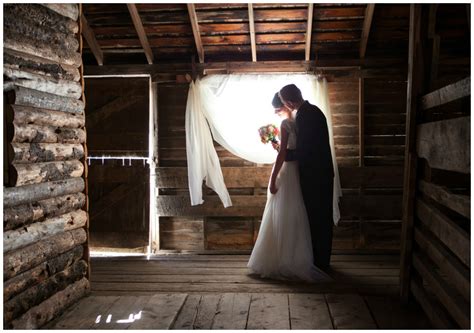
(290, 155)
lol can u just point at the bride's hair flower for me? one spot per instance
(268, 133)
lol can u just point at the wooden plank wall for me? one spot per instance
(371, 203)
(436, 235)
(117, 125)
(45, 220)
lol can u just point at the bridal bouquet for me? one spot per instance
(268, 133)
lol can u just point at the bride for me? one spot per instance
(283, 249)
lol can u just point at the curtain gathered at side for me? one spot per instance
(230, 109)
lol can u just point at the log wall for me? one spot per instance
(372, 184)
(436, 240)
(45, 220)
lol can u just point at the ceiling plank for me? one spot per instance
(309, 28)
(252, 33)
(369, 13)
(196, 33)
(89, 35)
(137, 22)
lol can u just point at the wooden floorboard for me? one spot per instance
(232, 312)
(187, 315)
(308, 311)
(217, 292)
(350, 312)
(358, 273)
(160, 312)
(269, 311)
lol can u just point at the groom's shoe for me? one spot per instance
(325, 268)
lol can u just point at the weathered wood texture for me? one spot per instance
(18, 238)
(39, 273)
(42, 291)
(37, 116)
(446, 144)
(27, 174)
(13, 196)
(47, 134)
(24, 259)
(44, 312)
(39, 99)
(20, 215)
(45, 212)
(46, 152)
(179, 311)
(37, 65)
(447, 94)
(436, 257)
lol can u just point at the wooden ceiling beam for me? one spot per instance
(196, 33)
(369, 13)
(89, 35)
(252, 33)
(309, 29)
(137, 22)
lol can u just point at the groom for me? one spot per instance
(313, 154)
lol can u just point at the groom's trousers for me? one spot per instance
(317, 193)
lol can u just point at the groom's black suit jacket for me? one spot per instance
(313, 154)
(312, 140)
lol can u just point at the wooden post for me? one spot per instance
(432, 57)
(86, 254)
(415, 71)
(252, 33)
(362, 231)
(309, 30)
(154, 236)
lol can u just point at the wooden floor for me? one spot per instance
(216, 292)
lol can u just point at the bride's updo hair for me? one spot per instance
(276, 102)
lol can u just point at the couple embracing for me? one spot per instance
(295, 236)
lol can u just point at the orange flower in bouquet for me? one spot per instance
(268, 133)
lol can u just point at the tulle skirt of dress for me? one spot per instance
(283, 249)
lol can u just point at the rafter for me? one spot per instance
(369, 13)
(196, 33)
(137, 22)
(252, 33)
(309, 28)
(89, 35)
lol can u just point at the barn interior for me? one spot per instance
(99, 230)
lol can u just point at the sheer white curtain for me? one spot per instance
(233, 107)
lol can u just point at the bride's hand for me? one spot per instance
(273, 188)
(276, 146)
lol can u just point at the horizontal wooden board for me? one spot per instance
(447, 94)
(446, 144)
(446, 230)
(455, 304)
(369, 206)
(457, 202)
(351, 177)
(450, 266)
(222, 234)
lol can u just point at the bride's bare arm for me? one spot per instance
(279, 160)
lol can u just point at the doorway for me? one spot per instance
(117, 122)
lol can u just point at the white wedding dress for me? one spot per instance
(283, 249)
